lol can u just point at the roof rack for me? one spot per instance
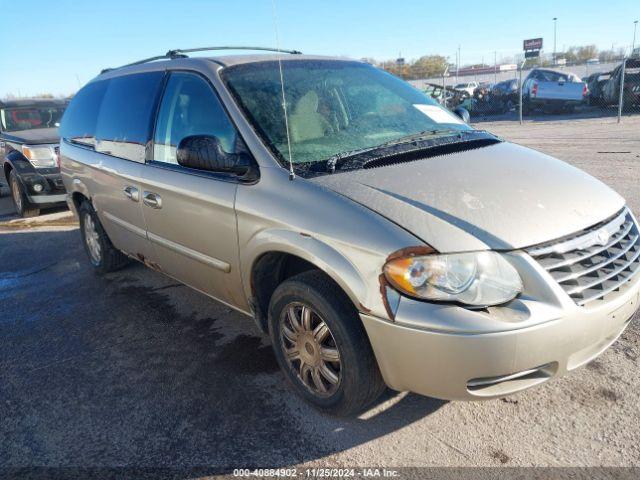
(181, 53)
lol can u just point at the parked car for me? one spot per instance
(498, 98)
(482, 90)
(552, 90)
(595, 84)
(453, 97)
(375, 236)
(505, 94)
(611, 89)
(29, 153)
(468, 87)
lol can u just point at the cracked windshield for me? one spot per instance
(333, 107)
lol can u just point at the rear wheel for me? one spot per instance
(322, 346)
(102, 254)
(24, 208)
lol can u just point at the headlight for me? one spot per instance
(479, 278)
(43, 157)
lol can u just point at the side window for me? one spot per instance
(125, 120)
(190, 107)
(78, 124)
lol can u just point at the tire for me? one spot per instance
(509, 106)
(103, 256)
(24, 208)
(357, 379)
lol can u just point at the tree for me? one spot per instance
(428, 66)
(424, 67)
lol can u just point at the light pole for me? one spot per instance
(495, 67)
(555, 31)
(633, 45)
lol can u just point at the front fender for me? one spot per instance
(311, 249)
(16, 161)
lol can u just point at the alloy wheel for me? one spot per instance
(92, 239)
(310, 349)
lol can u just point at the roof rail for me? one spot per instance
(181, 53)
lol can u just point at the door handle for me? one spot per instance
(152, 200)
(131, 193)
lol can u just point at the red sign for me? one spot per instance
(532, 44)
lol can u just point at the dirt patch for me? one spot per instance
(596, 366)
(500, 456)
(608, 394)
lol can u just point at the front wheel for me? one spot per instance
(24, 208)
(321, 345)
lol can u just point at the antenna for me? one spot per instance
(292, 174)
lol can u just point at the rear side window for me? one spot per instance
(79, 121)
(125, 120)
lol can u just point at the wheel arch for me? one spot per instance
(286, 254)
(79, 194)
(79, 197)
(6, 169)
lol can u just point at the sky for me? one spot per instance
(55, 47)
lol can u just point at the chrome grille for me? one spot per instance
(595, 262)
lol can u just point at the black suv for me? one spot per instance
(29, 153)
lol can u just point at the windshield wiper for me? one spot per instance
(334, 161)
(412, 137)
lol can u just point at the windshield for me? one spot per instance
(333, 107)
(30, 117)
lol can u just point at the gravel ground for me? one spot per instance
(132, 369)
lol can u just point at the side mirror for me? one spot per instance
(204, 152)
(463, 113)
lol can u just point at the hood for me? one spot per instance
(502, 197)
(33, 136)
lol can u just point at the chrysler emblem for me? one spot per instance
(602, 236)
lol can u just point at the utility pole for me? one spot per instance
(458, 66)
(633, 45)
(555, 31)
(495, 67)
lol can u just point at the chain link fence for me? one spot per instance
(519, 93)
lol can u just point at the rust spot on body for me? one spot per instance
(383, 291)
(148, 263)
(412, 252)
(364, 309)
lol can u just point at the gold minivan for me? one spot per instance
(377, 237)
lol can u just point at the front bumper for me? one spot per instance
(52, 189)
(472, 366)
(48, 199)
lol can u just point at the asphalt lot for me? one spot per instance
(132, 369)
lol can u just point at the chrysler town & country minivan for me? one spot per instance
(377, 238)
